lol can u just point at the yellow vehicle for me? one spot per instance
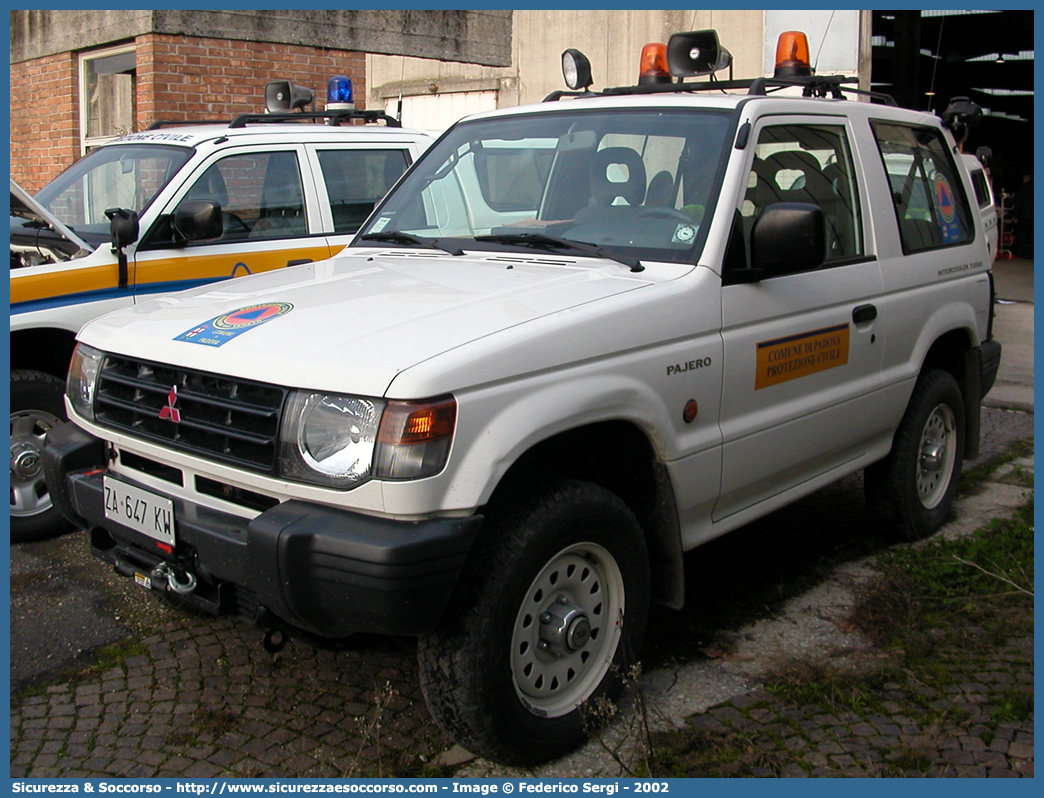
(166, 209)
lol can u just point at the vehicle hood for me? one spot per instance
(24, 206)
(354, 322)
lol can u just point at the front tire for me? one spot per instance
(912, 490)
(547, 619)
(37, 407)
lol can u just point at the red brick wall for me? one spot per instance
(178, 77)
(45, 125)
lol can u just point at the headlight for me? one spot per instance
(83, 376)
(328, 439)
(341, 441)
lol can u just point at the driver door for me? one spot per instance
(269, 221)
(803, 351)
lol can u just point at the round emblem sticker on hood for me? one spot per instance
(222, 329)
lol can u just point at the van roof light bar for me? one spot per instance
(817, 86)
(699, 53)
(334, 118)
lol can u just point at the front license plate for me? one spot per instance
(141, 510)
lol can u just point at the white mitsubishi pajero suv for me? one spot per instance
(576, 340)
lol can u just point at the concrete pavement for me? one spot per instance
(1013, 327)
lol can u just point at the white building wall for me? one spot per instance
(833, 38)
(612, 40)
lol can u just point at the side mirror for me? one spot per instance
(788, 237)
(197, 220)
(123, 227)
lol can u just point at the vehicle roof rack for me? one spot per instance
(815, 86)
(818, 86)
(334, 118)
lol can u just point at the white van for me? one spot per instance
(984, 198)
(192, 205)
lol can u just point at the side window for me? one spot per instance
(260, 195)
(356, 180)
(807, 163)
(512, 178)
(982, 188)
(930, 206)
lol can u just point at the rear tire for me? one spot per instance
(912, 490)
(37, 407)
(547, 619)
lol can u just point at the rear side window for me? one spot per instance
(356, 180)
(930, 206)
(982, 188)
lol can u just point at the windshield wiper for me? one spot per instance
(397, 237)
(542, 241)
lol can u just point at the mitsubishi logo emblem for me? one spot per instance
(170, 412)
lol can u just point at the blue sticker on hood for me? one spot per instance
(222, 329)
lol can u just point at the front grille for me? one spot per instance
(152, 468)
(222, 418)
(240, 496)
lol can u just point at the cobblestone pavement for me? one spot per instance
(204, 699)
(200, 697)
(810, 740)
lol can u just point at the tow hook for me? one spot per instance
(164, 571)
(275, 641)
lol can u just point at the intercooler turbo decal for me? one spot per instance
(801, 355)
(222, 329)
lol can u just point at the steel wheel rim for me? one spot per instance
(567, 629)
(29, 495)
(937, 456)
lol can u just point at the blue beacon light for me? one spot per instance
(339, 93)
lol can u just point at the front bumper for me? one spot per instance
(326, 571)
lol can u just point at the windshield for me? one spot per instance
(122, 176)
(635, 184)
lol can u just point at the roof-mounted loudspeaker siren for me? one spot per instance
(282, 96)
(696, 53)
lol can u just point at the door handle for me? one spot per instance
(864, 313)
(297, 262)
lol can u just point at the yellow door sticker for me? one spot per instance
(801, 355)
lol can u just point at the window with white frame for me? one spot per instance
(107, 105)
